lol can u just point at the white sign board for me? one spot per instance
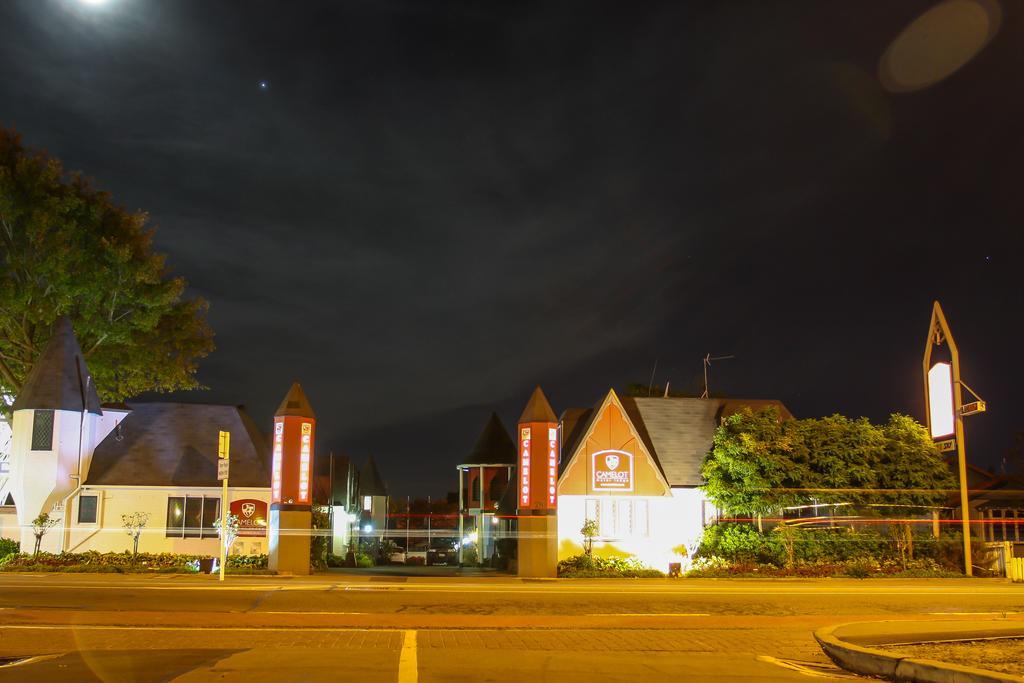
(222, 468)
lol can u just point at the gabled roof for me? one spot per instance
(175, 444)
(678, 432)
(370, 483)
(295, 404)
(60, 379)
(494, 446)
(538, 409)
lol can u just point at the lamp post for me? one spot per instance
(945, 411)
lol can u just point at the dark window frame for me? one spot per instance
(206, 505)
(95, 509)
(38, 427)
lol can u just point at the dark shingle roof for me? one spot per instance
(370, 483)
(679, 431)
(494, 446)
(60, 378)
(175, 444)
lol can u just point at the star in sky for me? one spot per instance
(264, 85)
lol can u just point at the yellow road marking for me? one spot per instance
(407, 667)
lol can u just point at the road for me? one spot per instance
(56, 627)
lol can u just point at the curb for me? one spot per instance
(871, 662)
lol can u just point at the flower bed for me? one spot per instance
(102, 562)
(719, 568)
(589, 567)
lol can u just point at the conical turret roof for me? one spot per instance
(538, 409)
(494, 446)
(370, 483)
(60, 379)
(295, 404)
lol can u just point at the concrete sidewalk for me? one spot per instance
(855, 648)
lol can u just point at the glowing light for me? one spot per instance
(940, 400)
(278, 445)
(368, 529)
(938, 43)
(524, 466)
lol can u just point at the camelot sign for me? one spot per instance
(613, 471)
(252, 516)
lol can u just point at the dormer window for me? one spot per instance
(42, 430)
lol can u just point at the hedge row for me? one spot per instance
(125, 562)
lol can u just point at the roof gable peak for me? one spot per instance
(295, 404)
(538, 409)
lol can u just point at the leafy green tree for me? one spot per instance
(40, 525)
(590, 531)
(757, 464)
(133, 525)
(66, 248)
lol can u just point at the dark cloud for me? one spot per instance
(434, 206)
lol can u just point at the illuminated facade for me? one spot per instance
(632, 465)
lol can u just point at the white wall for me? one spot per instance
(42, 479)
(108, 534)
(672, 521)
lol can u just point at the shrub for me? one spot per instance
(247, 562)
(8, 547)
(363, 560)
(93, 561)
(470, 557)
(587, 566)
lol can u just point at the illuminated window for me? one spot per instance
(367, 503)
(87, 509)
(593, 510)
(42, 430)
(641, 526)
(192, 516)
(623, 518)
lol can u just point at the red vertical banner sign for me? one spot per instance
(305, 461)
(275, 493)
(552, 487)
(524, 467)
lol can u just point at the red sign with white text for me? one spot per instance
(538, 466)
(252, 516)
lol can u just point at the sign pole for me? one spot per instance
(223, 462)
(939, 332)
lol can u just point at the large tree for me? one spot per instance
(759, 463)
(67, 249)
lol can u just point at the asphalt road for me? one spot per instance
(57, 627)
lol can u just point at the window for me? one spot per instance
(5, 468)
(641, 525)
(42, 430)
(192, 516)
(87, 509)
(619, 517)
(367, 503)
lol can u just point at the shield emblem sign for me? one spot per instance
(611, 461)
(248, 509)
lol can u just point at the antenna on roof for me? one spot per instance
(650, 385)
(707, 364)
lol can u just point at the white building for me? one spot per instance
(633, 466)
(87, 465)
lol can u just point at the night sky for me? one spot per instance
(422, 209)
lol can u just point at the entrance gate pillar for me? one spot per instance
(291, 510)
(537, 484)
